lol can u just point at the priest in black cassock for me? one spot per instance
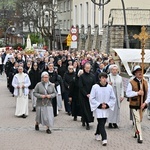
(86, 81)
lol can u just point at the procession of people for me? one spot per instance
(88, 82)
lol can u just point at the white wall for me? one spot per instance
(89, 14)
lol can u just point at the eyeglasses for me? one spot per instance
(45, 77)
(70, 68)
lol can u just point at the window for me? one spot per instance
(75, 15)
(87, 13)
(93, 15)
(60, 24)
(68, 25)
(60, 7)
(64, 24)
(81, 15)
(65, 4)
(68, 5)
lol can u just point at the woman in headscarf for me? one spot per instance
(35, 77)
(45, 92)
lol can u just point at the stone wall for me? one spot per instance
(113, 37)
(147, 46)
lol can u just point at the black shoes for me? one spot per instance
(37, 127)
(139, 141)
(135, 136)
(110, 126)
(138, 138)
(87, 127)
(34, 109)
(115, 125)
(48, 131)
(69, 113)
(83, 124)
(24, 116)
(75, 118)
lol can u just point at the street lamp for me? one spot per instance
(102, 3)
(12, 30)
(125, 25)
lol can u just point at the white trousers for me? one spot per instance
(137, 122)
(33, 98)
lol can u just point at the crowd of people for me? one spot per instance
(87, 81)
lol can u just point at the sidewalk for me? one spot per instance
(19, 134)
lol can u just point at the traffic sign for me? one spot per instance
(74, 37)
(74, 30)
(74, 44)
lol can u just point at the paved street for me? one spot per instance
(19, 134)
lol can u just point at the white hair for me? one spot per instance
(20, 67)
(113, 66)
(44, 73)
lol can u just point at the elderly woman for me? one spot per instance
(45, 92)
(21, 82)
(115, 80)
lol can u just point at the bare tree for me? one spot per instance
(39, 15)
(7, 15)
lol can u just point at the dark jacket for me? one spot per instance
(74, 94)
(61, 70)
(35, 77)
(68, 77)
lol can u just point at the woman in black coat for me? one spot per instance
(35, 77)
(74, 96)
(86, 81)
(56, 80)
(61, 68)
(12, 72)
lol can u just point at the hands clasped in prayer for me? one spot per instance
(46, 96)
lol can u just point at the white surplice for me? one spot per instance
(101, 95)
(117, 85)
(21, 93)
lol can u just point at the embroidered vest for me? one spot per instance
(135, 102)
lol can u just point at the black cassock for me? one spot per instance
(74, 93)
(12, 72)
(56, 79)
(86, 81)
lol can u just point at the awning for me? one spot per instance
(132, 55)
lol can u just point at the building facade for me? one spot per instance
(110, 21)
(102, 27)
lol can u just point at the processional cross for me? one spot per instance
(143, 36)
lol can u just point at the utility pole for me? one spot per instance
(102, 3)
